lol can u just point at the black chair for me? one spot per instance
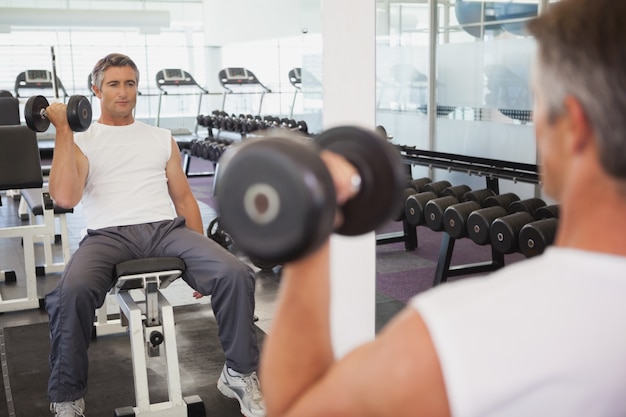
(9, 111)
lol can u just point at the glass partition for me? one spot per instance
(481, 87)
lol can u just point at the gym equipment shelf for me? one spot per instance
(492, 170)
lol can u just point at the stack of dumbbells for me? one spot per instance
(505, 221)
(213, 147)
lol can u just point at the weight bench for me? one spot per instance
(30, 207)
(20, 168)
(151, 325)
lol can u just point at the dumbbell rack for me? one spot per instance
(492, 170)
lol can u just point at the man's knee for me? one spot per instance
(75, 292)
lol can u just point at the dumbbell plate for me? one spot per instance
(79, 113)
(382, 175)
(32, 113)
(275, 201)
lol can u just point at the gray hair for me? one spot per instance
(582, 54)
(111, 60)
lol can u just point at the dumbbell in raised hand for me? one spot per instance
(276, 197)
(78, 113)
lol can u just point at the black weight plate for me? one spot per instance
(79, 113)
(536, 236)
(455, 218)
(434, 209)
(418, 184)
(414, 207)
(479, 196)
(504, 231)
(479, 222)
(302, 127)
(398, 213)
(382, 177)
(547, 212)
(275, 197)
(32, 113)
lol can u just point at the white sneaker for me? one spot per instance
(245, 388)
(69, 409)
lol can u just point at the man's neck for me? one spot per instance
(592, 215)
(116, 121)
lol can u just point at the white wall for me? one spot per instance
(238, 21)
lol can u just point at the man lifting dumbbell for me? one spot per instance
(137, 204)
(540, 337)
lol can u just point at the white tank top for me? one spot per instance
(541, 337)
(126, 183)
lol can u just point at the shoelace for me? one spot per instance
(253, 386)
(56, 408)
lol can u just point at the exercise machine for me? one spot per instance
(20, 168)
(238, 80)
(175, 81)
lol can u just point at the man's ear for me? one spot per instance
(578, 123)
(96, 91)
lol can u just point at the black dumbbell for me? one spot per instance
(5, 93)
(217, 234)
(437, 187)
(303, 127)
(399, 214)
(419, 183)
(277, 200)
(530, 205)
(547, 212)
(78, 113)
(411, 187)
(536, 236)
(479, 221)
(415, 204)
(504, 231)
(501, 200)
(433, 212)
(455, 217)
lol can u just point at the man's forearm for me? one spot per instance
(298, 350)
(191, 212)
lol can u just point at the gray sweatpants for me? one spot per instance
(88, 276)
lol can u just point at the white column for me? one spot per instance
(349, 77)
